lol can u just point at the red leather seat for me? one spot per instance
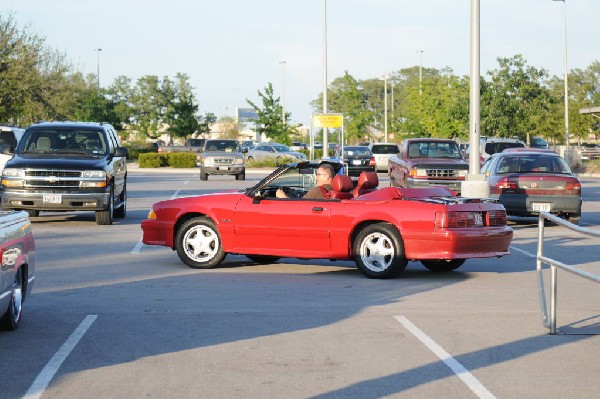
(367, 182)
(342, 187)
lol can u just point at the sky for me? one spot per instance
(231, 49)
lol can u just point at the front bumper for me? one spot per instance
(224, 170)
(93, 201)
(454, 185)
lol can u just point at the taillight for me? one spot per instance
(506, 183)
(372, 162)
(496, 218)
(574, 186)
(449, 220)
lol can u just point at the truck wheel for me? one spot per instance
(105, 217)
(379, 252)
(203, 174)
(198, 244)
(33, 212)
(443, 265)
(241, 176)
(121, 211)
(12, 317)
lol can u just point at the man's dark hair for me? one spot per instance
(328, 168)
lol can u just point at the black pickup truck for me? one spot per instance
(67, 166)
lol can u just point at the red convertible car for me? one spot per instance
(381, 229)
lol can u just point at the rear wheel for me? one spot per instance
(33, 212)
(198, 244)
(263, 259)
(443, 265)
(379, 251)
(12, 317)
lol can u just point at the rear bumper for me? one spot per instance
(522, 205)
(460, 243)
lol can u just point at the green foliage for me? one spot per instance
(269, 120)
(269, 162)
(151, 160)
(181, 159)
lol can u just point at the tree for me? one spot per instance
(204, 123)
(269, 120)
(181, 107)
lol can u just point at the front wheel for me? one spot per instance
(198, 244)
(241, 176)
(443, 265)
(12, 317)
(379, 251)
(105, 217)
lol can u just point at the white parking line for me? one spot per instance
(136, 249)
(36, 390)
(175, 194)
(523, 252)
(470, 381)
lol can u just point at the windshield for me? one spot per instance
(385, 149)
(354, 151)
(532, 164)
(63, 141)
(296, 179)
(434, 150)
(223, 145)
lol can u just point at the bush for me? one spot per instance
(181, 159)
(270, 162)
(151, 160)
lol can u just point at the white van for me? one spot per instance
(9, 135)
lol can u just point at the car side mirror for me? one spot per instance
(122, 152)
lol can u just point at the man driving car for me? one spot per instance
(323, 177)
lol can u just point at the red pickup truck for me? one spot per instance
(428, 162)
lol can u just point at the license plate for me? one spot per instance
(223, 167)
(52, 199)
(356, 162)
(540, 206)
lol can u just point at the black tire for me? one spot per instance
(12, 317)
(121, 211)
(33, 212)
(203, 175)
(263, 259)
(574, 219)
(379, 251)
(443, 265)
(241, 176)
(250, 159)
(105, 217)
(199, 235)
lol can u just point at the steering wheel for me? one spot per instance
(290, 192)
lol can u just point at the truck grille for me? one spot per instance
(39, 178)
(442, 173)
(52, 173)
(224, 161)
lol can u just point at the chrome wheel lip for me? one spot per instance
(201, 243)
(377, 252)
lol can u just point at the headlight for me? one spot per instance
(94, 173)
(13, 172)
(13, 183)
(462, 173)
(238, 161)
(209, 162)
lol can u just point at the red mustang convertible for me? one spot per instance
(381, 229)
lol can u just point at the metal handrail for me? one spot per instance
(554, 265)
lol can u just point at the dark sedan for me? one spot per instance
(358, 159)
(528, 181)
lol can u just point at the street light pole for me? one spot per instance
(325, 138)
(283, 91)
(566, 87)
(98, 50)
(420, 71)
(385, 109)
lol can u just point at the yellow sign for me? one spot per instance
(327, 120)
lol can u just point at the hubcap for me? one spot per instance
(201, 243)
(377, 252)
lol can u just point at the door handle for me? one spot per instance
(318, 209)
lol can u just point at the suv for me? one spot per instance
(222, 157)
(382, 153)
(488, 146)
(67, 166)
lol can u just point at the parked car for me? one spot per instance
(9, 135)
(382, 153)
(273, 151)
(527, 182)
(488, 146)
(67, 166)
(17, 275)
(380, 229)
(298, 146)
(538, 142)
(357, 159)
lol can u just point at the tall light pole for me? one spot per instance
(566, 86)
(325, 143)
(98, 50)
(385, 109)
(283, 91)
(420, 52)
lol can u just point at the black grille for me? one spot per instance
(44, 183)
(52, 173)
(442, 173)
